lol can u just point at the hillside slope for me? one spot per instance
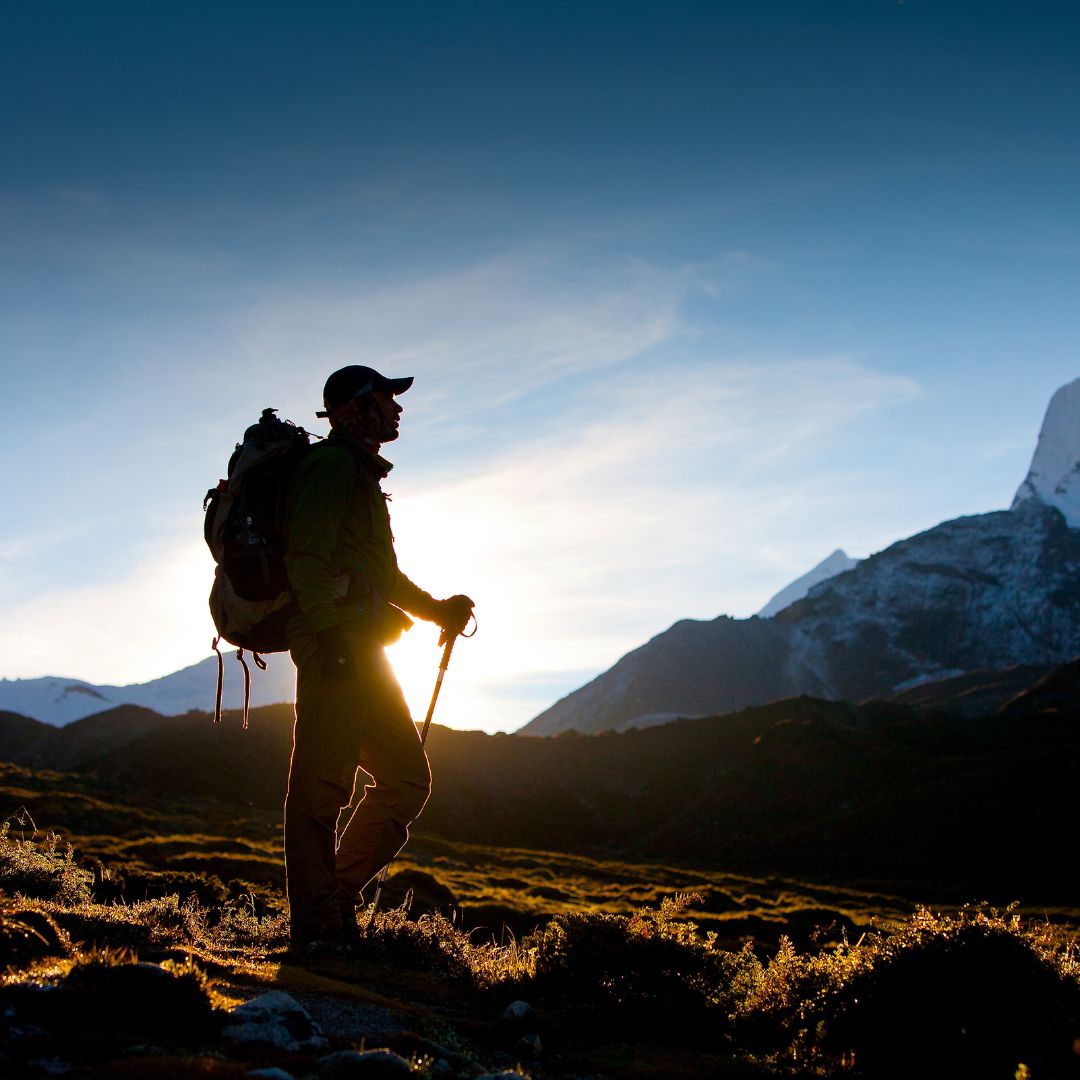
(882, 791)
(987, 591)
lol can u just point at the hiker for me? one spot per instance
(350, 710)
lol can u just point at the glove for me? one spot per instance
(335, 655)
(453, 616)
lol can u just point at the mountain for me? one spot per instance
(987, 591)
(982, 592)
(1054, 476)
(837, 563)
(59, 701)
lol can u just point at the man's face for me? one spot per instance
(389, 410)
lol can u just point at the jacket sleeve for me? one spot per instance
(408, 595)
(322, 487)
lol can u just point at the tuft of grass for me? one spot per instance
(239, 925)
(40, 868)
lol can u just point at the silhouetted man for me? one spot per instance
(350, 711)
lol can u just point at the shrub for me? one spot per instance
(109, 991)
(974, 994)
(429, 943)
(624, 971)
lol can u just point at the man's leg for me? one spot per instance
(391, 752)
(322, 770)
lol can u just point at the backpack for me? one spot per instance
(245, 529)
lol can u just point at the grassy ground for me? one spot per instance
(642, 989)
(129, 933)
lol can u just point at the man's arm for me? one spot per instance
(452, 614)
(405, 593)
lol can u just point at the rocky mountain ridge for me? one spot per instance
(986, 591)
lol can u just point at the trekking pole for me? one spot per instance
(444, 663)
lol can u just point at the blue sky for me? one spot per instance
(694, 294)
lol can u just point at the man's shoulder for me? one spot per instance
(323, 461)
(330, 453)
(340, 457)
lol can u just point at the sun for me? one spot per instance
(415, 660)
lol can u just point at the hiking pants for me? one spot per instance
(341, 725)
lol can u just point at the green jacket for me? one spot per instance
(339, 526)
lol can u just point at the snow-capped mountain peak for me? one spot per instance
(1054, 476)
(836, 563)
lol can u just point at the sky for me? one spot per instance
(693, 294)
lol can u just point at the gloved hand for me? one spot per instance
(335, 655)
(453, 615)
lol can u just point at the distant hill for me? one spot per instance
(881, 792)
(20, 737)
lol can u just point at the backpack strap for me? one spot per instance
(220, 680)
(247, 683)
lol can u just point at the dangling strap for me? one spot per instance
(260, 663)
(247, 684)
(220, 680)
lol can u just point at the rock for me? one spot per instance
(276, 1018)
(135, 1001)
(519, 1010)
(52, 1066)
(362, 1065)
(530, 1044)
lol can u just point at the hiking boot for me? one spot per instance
(331, 945)
(330, 941)
(351, 934)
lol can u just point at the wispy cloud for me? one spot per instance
(576, 455)
(660, 499)
(478, 339)
(150, 621)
